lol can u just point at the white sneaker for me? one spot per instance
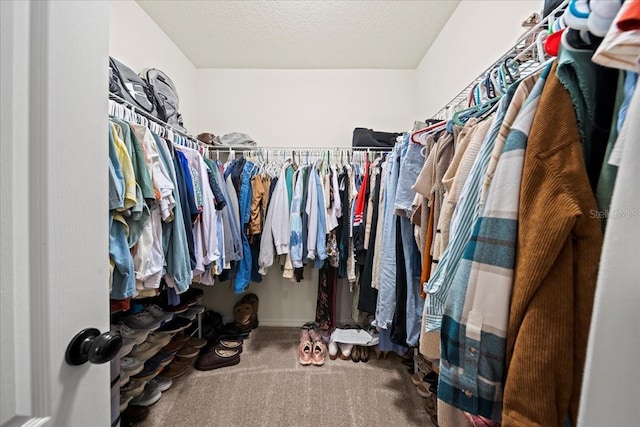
(137, 336)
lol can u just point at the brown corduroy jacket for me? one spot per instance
(559, 244)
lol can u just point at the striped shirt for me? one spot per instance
(437, 287)
(468, 210)
(475, 321)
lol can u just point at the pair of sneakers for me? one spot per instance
(312, 349)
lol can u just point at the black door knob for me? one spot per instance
(90, 346)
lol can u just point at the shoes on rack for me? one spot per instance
(431, 406)
(142, 320)
(131, 365)
(147, 398)
(175, 370)
(124, 402)
(197, 342)
(162, 358)
(159, 313)
(124, 378)
(181, 361)
(159, 338)
(191, 295)
(127, 347)
(133, 414)
(423, 364)
(177, 309)
(188, 352)
(151, 369)
(160, 383)
(176, 343)
(145, 351)
(417, 378)
(133, 388)
(192, 312)
(423, 390)
(218, 358)
(176, 325)
(128, 334)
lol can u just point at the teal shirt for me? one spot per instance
(576, 72)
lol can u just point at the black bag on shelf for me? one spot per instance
(126, 84)
(165, 95)
(370, 138)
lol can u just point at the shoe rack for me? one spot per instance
(158, 360)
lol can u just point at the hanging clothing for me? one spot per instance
(326, 302)
(387, 289)
(243, 277)
(178, 268)
(553, 290)
(474, 324)
(608, 395)
(368, 295)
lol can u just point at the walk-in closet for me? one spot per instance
(290, 213)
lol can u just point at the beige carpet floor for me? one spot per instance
(270, 388)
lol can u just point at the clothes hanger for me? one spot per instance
(542, 36)
(429, 129)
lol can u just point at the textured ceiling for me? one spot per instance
(302, 34)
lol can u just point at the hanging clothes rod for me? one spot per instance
(527, 50)
(156, 120)
(302, 148)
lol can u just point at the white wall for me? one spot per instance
(304, 107)
(137, 41)
(477, 34)
(299, 108)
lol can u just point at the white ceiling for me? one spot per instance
(298, 34)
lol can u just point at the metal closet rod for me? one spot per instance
(517, 51)
(137, 110)
(296, 149)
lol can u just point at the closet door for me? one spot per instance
(53, 194)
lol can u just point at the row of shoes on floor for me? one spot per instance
(353, 352)
(225, 341)
(315, 344)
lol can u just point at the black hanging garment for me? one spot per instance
(368, 295)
